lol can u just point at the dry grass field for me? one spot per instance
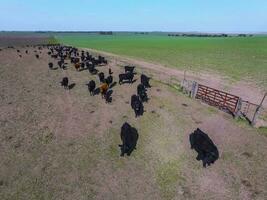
(63, 144)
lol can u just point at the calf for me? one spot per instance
(91, 87)
(141, 91)
(126, 77)
(65, 82)
(129, 69)
(137, 105)
(145, 81)
(101, 76)
(206, 149)
(129, 137)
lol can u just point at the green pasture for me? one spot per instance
(235, 57)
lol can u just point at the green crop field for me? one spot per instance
(236, 57)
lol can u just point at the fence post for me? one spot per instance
(194, 89)
(182, 85)
(256, 115)
(238, 108)
(257, 112)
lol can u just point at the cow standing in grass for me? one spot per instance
(141, 91)
(129, 137)
(91, 87)
(101, 76)
(145, 81)
(137, 105)
(65, 82)
(77, 66)
(129, 69)
(109, 80)
(50, 65)
(206, 149)
(126, 77)
(103, 89)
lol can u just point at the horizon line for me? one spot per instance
(136, 31)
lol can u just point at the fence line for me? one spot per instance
(222, 100)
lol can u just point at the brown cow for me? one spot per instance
(77, 66)
(103, 89)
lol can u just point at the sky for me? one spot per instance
(229, 16)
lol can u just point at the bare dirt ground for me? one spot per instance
(58, 144)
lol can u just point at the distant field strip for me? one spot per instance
(237, 58)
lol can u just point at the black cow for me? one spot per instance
(60, 63)
(91, 68)
(145, 81)
(127, 77)
(82, 66)
(129, 137)
(65, 82)
(109, 71)
(137, 105)
(101, 76)
(50, 65)
(54, 56)
(26, 52)
(141, 91)
(109, 80)
(206, 149)
(129, 69)
(37, 56)
(72, 60)
(91, 87)
(108, 97)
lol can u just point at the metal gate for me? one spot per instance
(220, 99)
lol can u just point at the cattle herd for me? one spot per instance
(85, 61)
(81, 60)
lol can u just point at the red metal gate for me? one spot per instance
(217, 98)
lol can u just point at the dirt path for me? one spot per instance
(246, 90)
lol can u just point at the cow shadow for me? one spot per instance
(128, 81)
(82, 69)
(134, 81)
(207, 151)
(71, 86)
(55, 68)
(112, 85)
(94, 72)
